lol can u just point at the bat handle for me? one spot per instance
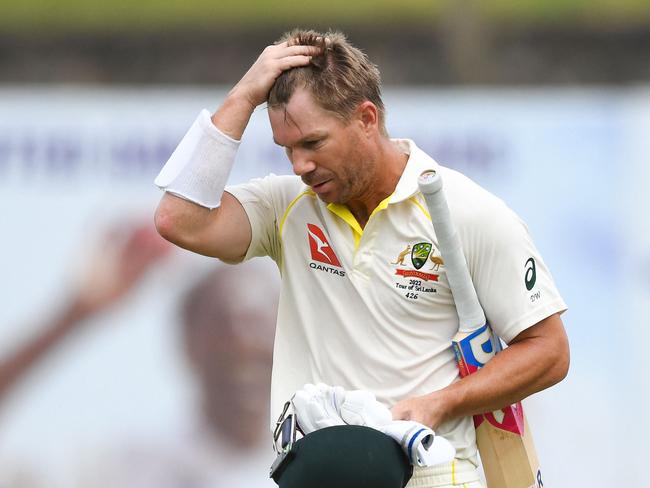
(470, 312)
(430, 182)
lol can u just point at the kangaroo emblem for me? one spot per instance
(402, 255)
(437, 261)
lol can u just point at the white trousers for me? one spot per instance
(459, 473)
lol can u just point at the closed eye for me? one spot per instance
(312, 144)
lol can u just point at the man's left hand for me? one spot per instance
(425, 409)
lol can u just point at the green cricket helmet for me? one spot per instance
(345, 456)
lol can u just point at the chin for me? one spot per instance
(327, 198)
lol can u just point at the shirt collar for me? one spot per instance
(417, 163)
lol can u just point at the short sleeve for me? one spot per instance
(256, 197)
(513, 283)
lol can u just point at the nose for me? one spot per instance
(301, 162)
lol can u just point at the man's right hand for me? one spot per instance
(254, 87)
(257, 82)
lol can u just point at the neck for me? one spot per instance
(388, 167)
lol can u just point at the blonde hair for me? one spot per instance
(339, 79)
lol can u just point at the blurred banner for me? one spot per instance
(570, 162)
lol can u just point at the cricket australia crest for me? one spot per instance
(412, 281)
(420, 253)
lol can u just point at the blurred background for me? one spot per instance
(107, 379)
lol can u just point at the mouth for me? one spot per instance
(319, 187)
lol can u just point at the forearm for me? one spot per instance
(517, 372)
(233, 115)
(195, 176)
(536, 359)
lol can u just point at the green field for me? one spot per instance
(148, 15)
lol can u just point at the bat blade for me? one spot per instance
(503, 437)
(509, 459)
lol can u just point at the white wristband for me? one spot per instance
(199, 167)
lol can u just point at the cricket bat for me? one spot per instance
(503, 437)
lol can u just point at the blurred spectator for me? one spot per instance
(227, 319)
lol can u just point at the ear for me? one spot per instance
(368, 116)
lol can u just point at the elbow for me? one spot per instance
(182, 223)
(553, 350)
(561, 360)
(164, 222)
(565, 365)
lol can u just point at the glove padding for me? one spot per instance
(360, 407)
(319, 406)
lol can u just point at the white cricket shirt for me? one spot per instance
(370, 308)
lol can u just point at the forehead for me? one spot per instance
(300, 118)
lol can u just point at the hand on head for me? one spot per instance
(258, 80)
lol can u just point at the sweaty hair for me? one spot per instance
(339, 79)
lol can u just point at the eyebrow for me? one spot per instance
(307, 138)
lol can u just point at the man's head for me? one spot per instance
(339, 79)
(329, 117)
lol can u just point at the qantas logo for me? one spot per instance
(322, 252)
(320, 249)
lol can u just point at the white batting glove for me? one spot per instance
(316, 407)
(319, 406)
(420, 444)
(333, 396)
(362, 408)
